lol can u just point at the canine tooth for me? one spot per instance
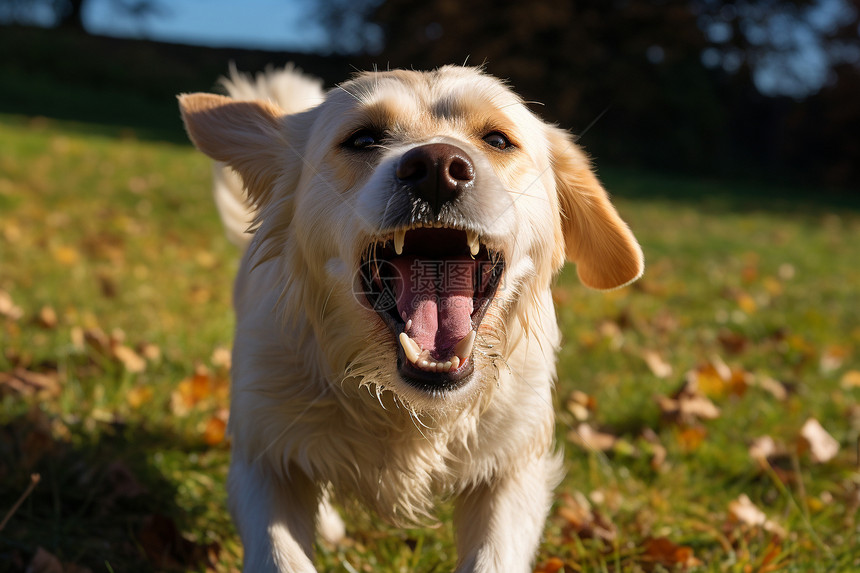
(472, 239)
(410, 347)
(399, 238)
(455, 363)
(464, 347)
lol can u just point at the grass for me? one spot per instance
(110, 242)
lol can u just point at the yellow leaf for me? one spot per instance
(213, 434)
(850, 379)
(66, 255)
(747, 303)
(138, 396)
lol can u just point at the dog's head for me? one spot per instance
(420, 212)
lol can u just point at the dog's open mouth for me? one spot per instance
(432, 287)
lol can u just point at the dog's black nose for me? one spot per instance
(436, 172)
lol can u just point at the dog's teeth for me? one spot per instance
(445, 367)
(410, 348)
(399, 238)
(464, 347)
(472, 240)
(408, 324)
(455, 363)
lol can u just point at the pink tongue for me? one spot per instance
(436, 295)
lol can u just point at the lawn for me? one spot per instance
(709, 414)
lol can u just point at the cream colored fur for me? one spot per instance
(318, 407)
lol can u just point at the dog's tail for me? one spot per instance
(289, 89)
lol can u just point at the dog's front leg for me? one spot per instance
(499, 524)
(275, 517)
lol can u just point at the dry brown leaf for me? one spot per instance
(691, 437)
(832, 358)
(130, 360)
(744, 512)
(659, 367)
(28, 383)
(733, 342)
(150, 351)
(583, 521)
(822, 446)
(47, 318)
(552, 565)
(590, 439)
(662, 551)
(222, 358)
(776, 388)
(762, 448)
(581, 405)
(8, 309)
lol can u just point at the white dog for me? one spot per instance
(396, 338)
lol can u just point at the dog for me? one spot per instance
(396, 336)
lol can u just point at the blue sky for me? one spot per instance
(267, 24)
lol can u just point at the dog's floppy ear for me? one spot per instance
(606, 253)
(249, 136)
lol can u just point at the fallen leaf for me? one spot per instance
(744, 512)
(762, 448)
(47, 318)
(590, 439)
(138, 396)
(659, 367)
(832, 358)
(150, 351)
(662, 551)
(552, 565)
(776, 388)
(581, 405)
(583, 521)
(850, 379)
(28, 383)
(66, 256)
(822, 446)
(733, 342)
(690, 438)
(131, 360)
(222, 358)
(688, 404)
(9, 309)
(213, 433)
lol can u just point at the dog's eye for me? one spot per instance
(497, 140)
(362, 139)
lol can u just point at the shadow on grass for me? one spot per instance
(728, 195)
(101, 501)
